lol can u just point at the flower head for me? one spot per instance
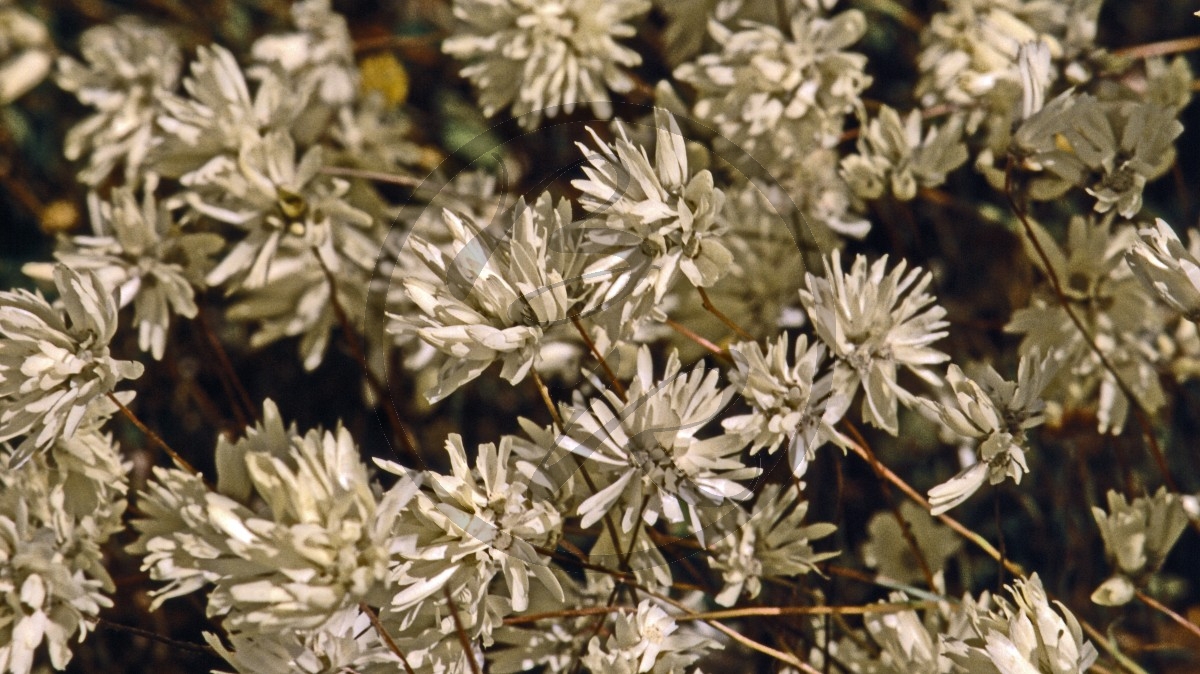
(1137, 538)
(128, 68)
(789, 401)
(874, 321)
(647, 451)
(776, 94)
(1164, 265)
(54, 360)
(538, 56)
(994, 413)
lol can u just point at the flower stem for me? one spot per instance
(153, 437)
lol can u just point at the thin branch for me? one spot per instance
(692, 335)
(1166, 610)
(399, 429)
(612, 376)
(243, 407)
(1176, 46)
(1139, 412)
(729, 323)
(147, 634)
(905, 529)
(954, 524)
(463, 639)
(151, 435)
(387, 638)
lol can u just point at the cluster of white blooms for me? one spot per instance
(770, 542)
(128, 68)
(789, 402)
(56, 510)
(673, 302)
(138, 250)
(493, 291)
(644, 446)
(1137, 537)
(1117, 312)
(659, 218)
(893, 157)
(775, 93)
(544, 58)
(55, 361)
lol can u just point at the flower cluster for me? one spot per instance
(543, 58)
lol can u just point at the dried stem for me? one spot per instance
(1151, 49)
(463, 639)
(399, 429)
(243, 407)
(387, 638)
(905, 529)
(1166, 610)
(1139, 412)
(153, 437)
(692, 335)
(954, 524)
(612, 376)
(708, 306)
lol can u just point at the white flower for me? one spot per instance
(218, 116)
(141, 252)
(1164, 265)
(994, 413)
(55, 362)
(1027, 638)
(320, 56)
(129, 68)
(56, 510)
(537, 55)
(497, 290)
(647, 451)
(1138, 536)
(290, 538)
(789, 401)
(646, 641)
(892, 156)
(873, 322)
(25, 55)
(659, 218)
(774, 543)
(1117, 311)
(483, 522)
(280, 202)
(776, 95)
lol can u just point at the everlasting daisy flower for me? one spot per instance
(55, 362)
(139, 250)
(789, 400)
(495, 292)
(775, 94)
(1138, 536)
(289, 539)
(129, 67)
(873, 322)
(647, 451)
(646, 641)
(537, 55)
(659, 217)
(1164, 265)
(995, 413)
